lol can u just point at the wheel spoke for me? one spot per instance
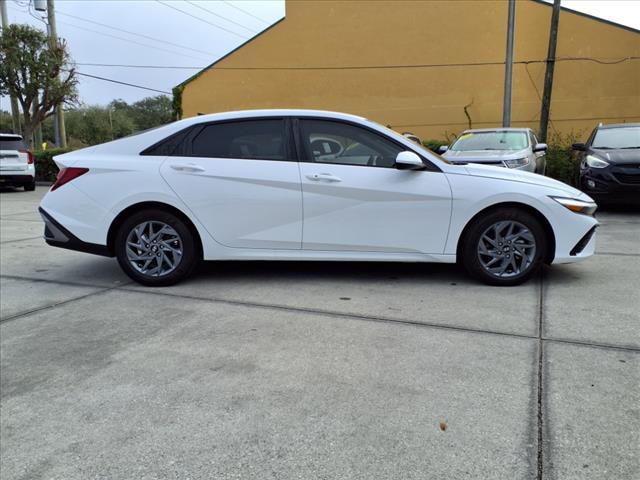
(154, 248)
(506, 249)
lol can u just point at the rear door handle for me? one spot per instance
(323, 177)
(192, 167)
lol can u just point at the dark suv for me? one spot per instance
(610, 163)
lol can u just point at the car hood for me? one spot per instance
(482, 156)
(622, 155)
(523, 177)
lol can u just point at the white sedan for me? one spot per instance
(306, 185)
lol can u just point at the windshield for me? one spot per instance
(490, 141)
(623, 137)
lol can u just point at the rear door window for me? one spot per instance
(247, 139)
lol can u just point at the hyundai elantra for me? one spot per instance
(306, 185)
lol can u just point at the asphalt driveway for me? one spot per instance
(293, 370)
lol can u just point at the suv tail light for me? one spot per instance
(29, 156)
(66, 175)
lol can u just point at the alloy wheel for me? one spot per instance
(506, 249)
(154, 248)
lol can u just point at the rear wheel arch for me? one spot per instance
(130, 210)
(548, 230)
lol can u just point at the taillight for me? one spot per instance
(29, 156)
(66, 175)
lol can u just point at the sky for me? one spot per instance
(184, 33)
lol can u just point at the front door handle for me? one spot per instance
(192, 167)
(323, 177)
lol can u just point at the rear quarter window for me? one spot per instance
(173, 145)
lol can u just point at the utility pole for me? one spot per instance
(15, 112)
(53, 42)
(508, 67)
(548, 77)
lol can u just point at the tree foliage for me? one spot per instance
(92, 124)
(37, 73)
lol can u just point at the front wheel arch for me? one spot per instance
(130, 210)
(548, 230)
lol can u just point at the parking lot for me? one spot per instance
(316, 370)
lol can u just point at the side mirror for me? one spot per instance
(579, 147)
(442, 148)
(409, 161)
(540, 147)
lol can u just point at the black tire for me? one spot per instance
(30, 187)
(472, 258)
(184, 266)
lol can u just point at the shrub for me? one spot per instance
(562, 162)
(433, 145)
(46, 168)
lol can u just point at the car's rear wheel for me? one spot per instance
(504, 247)
(156, 248)
(30, 187)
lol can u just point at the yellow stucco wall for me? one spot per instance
(426, 101)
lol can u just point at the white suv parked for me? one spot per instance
(16, 163)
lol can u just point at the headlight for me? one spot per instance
(595, 162)
(518, 162)
(577, 206)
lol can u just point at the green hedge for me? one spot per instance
(46, 169)
(433, 145)
(562, 163)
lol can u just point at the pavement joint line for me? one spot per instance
(20, 240)
(18, 213)
(21, 220)
(540, 413)
(47, 307)
(582, 343)
(60, 282)
(312, 311)
(619, 254)
(357, 316)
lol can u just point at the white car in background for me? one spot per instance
(502, 147)
(16, 163)
(306, 185)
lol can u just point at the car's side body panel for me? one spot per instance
(374, 209)
(473, 193)
(241, 203)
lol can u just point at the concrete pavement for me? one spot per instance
(290, 370)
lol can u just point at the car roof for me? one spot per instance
(10, 136)
(281, 112)
(498, 129)
(619, 125)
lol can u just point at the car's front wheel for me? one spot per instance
(156, 248)
(504, 247)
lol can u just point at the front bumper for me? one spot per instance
(612, 184)
(58, 236)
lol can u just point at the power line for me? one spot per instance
(132, 33)
(122, 83)
(201, 19)
(498, 122)
(195, 4)
(245, 12)
(130, 41)
(526, 63)
(430, 65)
(168, 67)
